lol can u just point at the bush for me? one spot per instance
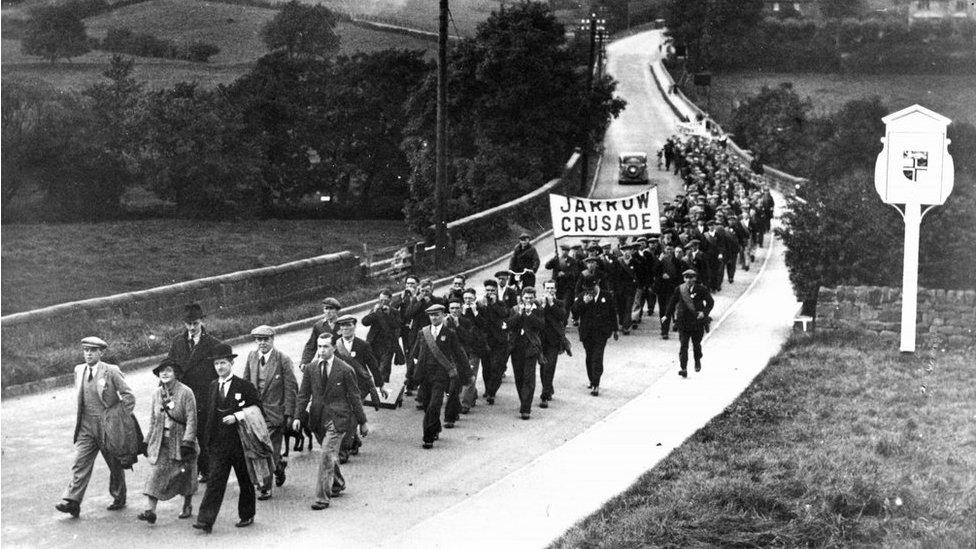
(123, 40)
(53, 32)
(201, 52)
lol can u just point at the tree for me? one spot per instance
(302, 30)
(774, 123)
(840, 9)
(704, 26)
(53, 32)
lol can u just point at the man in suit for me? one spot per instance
(476, 346)
(330, 393)
(192, 350)
(419, 318)
(624, 282)
(690, 304)
(456, 291)
(229, 396)
(101, 388)
(357, 354)
(330, 308)
(401, 304)
(553, 338)
(468, 335)
(565, 271)
(494, 313)
(598, 321)
(273, 374)
(644, 264)
(384, 332)
(666, 279)
(440, 365)
(507, 292)
(526, 324)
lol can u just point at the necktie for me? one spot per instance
(223, 389)
(262, 361)
(90, 373)
(191, 344)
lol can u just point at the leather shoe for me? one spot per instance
(448, 424)
(665, 336)
(243, 523)
(187, 512)
(428, 445)
(525, 415)
(595, 391)
(202, 479)
(265, 495)
(544, 404)
(697, 367)
(343, 457)
(71, 507)
(319, 505)
(205, 527)
(148, 516)
(116, 505)
(683, 373)
(465, 409)
(491, 401)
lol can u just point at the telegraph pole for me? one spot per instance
(440, 180)
(585, 167)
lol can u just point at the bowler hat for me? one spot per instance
(222, 350)
(169, 363)
(92, 341)
(192, 312)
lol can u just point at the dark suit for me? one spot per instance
(225, 450)
(198, 373)
(334, 404)
(384, 333)
(565, 271)
(664, 287)
(312, 345)
(476, 346)
(598, 321)
(493, 317)
(363, 362)
(526, 330)
(278, 388)
(624, 283)
(689, 325)
(524, 258)
(509, 295)
(418, 318)
(435, 377)
(553, 336)
(645, 265)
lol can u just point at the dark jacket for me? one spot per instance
(312, 345)
(198, 369)
(417, 313)
(363, 361)
(554, 331)
(384, 329)
(335, 399)
(224, 439)
(686, 318)
(668, 266)
(277, 389)
(477, 330)
(493, 317)
(526, 331)
(598, 318)
(472, 338)
(565, 271)
(524, 258)
(429, 368)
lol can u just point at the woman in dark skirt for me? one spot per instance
(172, 442)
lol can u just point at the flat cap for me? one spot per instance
(591, 260)
(694, 242)
(577, 246)
(524, 235)
(346, 319)
(564, 247)
(332, 303)
(503, 272)
(491, 283)
(263, 331)
(437, 308)
(92, 341)
(690, 272)
(595, 248)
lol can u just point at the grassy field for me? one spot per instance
(233, 28)
(840, 442)
(950, 95)
(45, 264)
(420, 14)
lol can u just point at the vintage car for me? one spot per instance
(633, 168)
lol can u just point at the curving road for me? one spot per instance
(397, 492)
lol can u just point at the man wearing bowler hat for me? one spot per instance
(101, 388)
(272, 373)
(192, 349)
(328, 325)
(690, 304)
(229, 396)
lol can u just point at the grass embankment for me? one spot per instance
(950, 95)
(235, 29)
(840, 442)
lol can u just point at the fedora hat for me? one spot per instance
(222, 350)
(192, 312)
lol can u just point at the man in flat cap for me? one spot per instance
(598, 321)
(330, 310)
(440, 363)
(507, 292)
(229, 397)
(384, 332)
(273, 374)
(524, 258)
(526, 323)
(690, 305)
(565, 272)
(192, 349)
(101, 389)
(623, 280)
(418, 318)
(359, 355)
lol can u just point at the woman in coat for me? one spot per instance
(172, 442)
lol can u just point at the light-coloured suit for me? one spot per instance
(107, 384)
(278, 388)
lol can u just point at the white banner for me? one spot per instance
(687, 129)
(629, 216)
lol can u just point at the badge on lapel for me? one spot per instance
(352, 354)
(443, 338)
(603, 300)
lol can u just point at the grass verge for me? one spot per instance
(840, 442)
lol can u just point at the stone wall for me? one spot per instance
(947, 316)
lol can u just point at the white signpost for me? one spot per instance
(913, 169)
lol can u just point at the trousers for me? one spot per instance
(547, 371)
(87, 448)
(663, 297)
(469, 395)
(523, 366)
(643, 295)
(220, 465)
(695, 335)
(493, 369)
(433, 399)
(594, 347)
(624, 301)
(330, 478)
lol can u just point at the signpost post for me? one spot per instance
(913, 169)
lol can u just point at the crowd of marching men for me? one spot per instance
(205, 421)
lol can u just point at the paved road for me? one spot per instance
(394, 485)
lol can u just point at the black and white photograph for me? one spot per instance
(441, 274)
